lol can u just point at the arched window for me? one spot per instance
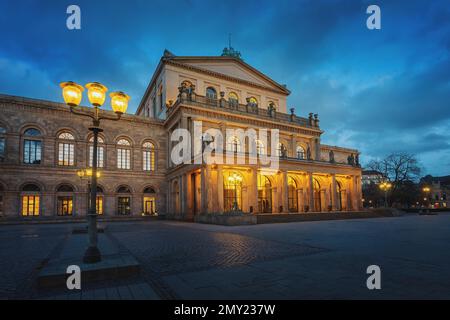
(233, 99)
(234, 144)
(260, 148)
(31, 200)
(99, 202)
(148, 156)
(211, 93)
(123, 201)
(149, 199)
(264, 194)
(100, 152)
(253, 102)
(2, 143)
(32, 145)
(292, 195)
(64, 200)
(123, 154)
(300, 151)
(232, 191)
(66, 149)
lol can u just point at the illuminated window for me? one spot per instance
(232, 191)
(211, 93)
(124, 154)
(30, 200)
(32, 146)
(100, 152)
(66, 149)
(253, 102)
(233, 99)
(64, 200)
(148, 156)
(149, 200)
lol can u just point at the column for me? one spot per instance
(285, 193)
(253, 190)
(183, 195)
(334, 196)
(311, 191)
(220, 202)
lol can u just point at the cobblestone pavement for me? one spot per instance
(304, 260)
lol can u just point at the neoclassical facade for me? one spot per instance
(42, 145)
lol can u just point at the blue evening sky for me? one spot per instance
(376, 90)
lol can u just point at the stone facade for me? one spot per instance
(19, 114)
(221, 92)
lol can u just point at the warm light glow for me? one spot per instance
(385, 186)
(426, 189)
(96, 93)
(119, 102)
(72, 93)
(87, 173)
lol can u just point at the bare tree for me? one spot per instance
(401, 169)
(397, 167)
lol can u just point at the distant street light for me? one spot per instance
(427, 190)
(72, 94)
(385, 186)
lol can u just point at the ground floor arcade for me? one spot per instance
(221, 189)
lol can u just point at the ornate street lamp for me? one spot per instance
(235, 179)
(385, 186)
(72, 94)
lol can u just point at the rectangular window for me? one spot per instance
(149, 205)
(30, 205)
(149, 160)
(123, 158)
(32, 152)
(65, 206)
(2, 149)
(99, 205)
(100, 156)
(124, 206)
(66, 154)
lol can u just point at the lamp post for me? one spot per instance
(72, 94)
(385, 186)
(235, 179)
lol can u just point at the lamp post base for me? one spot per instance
(92, 255)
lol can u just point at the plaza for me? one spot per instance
(299, 260)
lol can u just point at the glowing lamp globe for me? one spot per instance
(72, 93)
(119, 102)
(96, 93)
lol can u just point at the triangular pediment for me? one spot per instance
(233, 68)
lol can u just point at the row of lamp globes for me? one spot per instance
(87, 173)
(73, 92)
